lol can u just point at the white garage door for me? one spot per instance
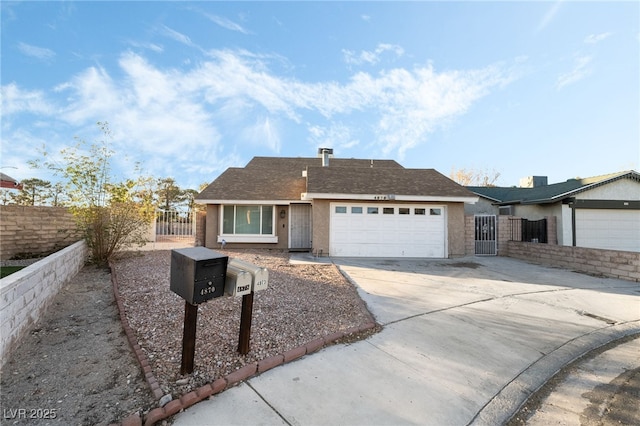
(383, 230)
(608, 229)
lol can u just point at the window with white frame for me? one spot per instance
(247, 220)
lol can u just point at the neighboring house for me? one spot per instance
(8, 182)
(598, 212)
(337, 207)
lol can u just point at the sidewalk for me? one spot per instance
(464, 341)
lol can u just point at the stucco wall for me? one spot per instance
(212, 230)
(456, 229)
(321, 214)
(321, 219)
(455, 226)
(35, 230)
(282, 227)
(211, 226)
(482, 206)
(623, 189)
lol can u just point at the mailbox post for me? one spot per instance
(198, 274)
(259, 281)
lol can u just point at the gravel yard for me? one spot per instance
(78, 364)
(302, 303)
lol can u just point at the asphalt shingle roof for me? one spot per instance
(281, 178)
(548, 193)
(420, 182)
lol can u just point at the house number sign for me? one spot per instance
(384, 197)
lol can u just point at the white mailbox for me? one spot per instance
(238, 281)
(259, 274)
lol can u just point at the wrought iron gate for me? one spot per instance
(174, 225)
(486, 235)
(300, 222)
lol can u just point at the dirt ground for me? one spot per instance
(76, 367)
(614, 403)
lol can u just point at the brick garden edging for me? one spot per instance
(218, 385)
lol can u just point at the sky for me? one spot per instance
(192, 88)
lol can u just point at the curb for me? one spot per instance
(210, 389)
(508, 401)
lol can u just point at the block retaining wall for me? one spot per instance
(608, 263)
(25, 295)
(26, 231)
(504, 232)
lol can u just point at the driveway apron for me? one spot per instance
(464, 341)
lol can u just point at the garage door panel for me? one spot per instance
(608, 229)
(387, 235)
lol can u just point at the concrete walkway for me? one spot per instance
(465, 341)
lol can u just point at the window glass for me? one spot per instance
(267, 220)
(404, 210)
(435, 212)
(341, 209)
(420, 212)
(227, 220)
(247, 219)
(388, 210)
(372, 210)
(357, 210)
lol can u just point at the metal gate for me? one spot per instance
(486, 233)
(175, 225)
(300, 222)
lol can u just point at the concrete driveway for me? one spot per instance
(464, 341)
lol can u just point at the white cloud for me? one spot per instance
(226, 23)
(596, 38)
(337, 136)
(175, 35)
(36, 52)
(150, 46)
(371, 57)
(549, 16)
(173, 120)
(580, 70)
(263, 132)
(15, 100)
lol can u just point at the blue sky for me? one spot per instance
(191, 88)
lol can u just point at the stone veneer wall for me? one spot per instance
(35, 230)
(26, 294)
(609, 263)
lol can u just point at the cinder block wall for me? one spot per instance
(504, 232)
(26, 294)
(27, 230)
(609, 263)
(201, 227)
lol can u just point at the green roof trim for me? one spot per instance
(548, 193)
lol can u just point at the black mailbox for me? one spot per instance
(198, 274)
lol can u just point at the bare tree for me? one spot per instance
(474, 177)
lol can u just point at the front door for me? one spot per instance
(300, 227)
